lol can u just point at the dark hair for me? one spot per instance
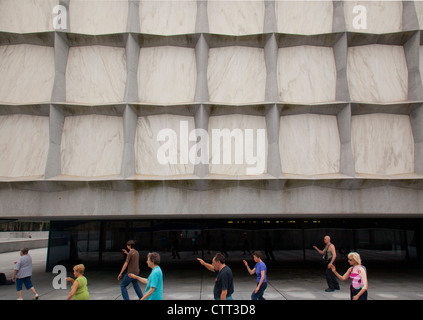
(257, 254)
(154, 257)
(24, 250)
(131, 243)
(219, 257)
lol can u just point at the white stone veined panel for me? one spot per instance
(167, 75)
(377, 73)
(168, 17)
(309, 144)
(26, 73)
(245, 152)
(24, 142)
(95, 75)
(26, 16)
(147, 145)
(98, 16)
(421, 62)
(92, 146)
(373, 16)
(382, 144)
(236, 75)
(304, 17)
(306, 74)
(235, 17)
(419, 10)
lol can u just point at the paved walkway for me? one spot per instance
(191, 281)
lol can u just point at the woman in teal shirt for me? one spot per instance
(79, 289)
(154, 289)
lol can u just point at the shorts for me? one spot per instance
(21, 281)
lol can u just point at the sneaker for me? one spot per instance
(19, 299)
(36, 297)
(329, 290)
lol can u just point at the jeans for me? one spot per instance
(125, 282)
(331, 278)
(260, 292)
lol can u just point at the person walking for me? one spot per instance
(22, 273)
(357, 273)
(224, 283)
(329, 256)
(79, 290)
(260, 270)
(154, 282)
(132, 266)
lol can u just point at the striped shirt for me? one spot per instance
(355, 276)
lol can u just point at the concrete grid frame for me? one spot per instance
(124, 193)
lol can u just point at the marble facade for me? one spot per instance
(341, 106)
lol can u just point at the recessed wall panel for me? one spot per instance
(168, 17)
(306, 74)
(98, 16)
(236, 75)
(382, 144)
(373, 16)
(377, 73)
(237, 145)
(309, 144)
(26, 73)
(304, 17)
(92, 146)
(162, 145)
(235, 17)
(27, 16)
(24, 142)
(167, 75)
(96, 75)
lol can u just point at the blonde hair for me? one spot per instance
(80, 268)
(355, 256)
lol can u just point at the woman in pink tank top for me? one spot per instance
(358, 275)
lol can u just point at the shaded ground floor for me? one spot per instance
(99, 244)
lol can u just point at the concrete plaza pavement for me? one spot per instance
(190, 281)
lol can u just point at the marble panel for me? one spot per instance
(419, 11)
(377, 73)
(382, 144)
(421, 62)
(26, 16)
(168, 17)
(95, 75)
(162, 145)
(306, 74)
(26, 73)
(373, 16)
(235, 17)
(24, 142)
(92, 146)
(167, 75)
(98, 16)
(244, 151)
(304, 17)
(309, 144)
(236, 75)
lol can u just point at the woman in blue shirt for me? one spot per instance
(260, 270)
(154, 289)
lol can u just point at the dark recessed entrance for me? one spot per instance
(283, 241)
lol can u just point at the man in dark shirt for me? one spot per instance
(224, 284)
(132, 263)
